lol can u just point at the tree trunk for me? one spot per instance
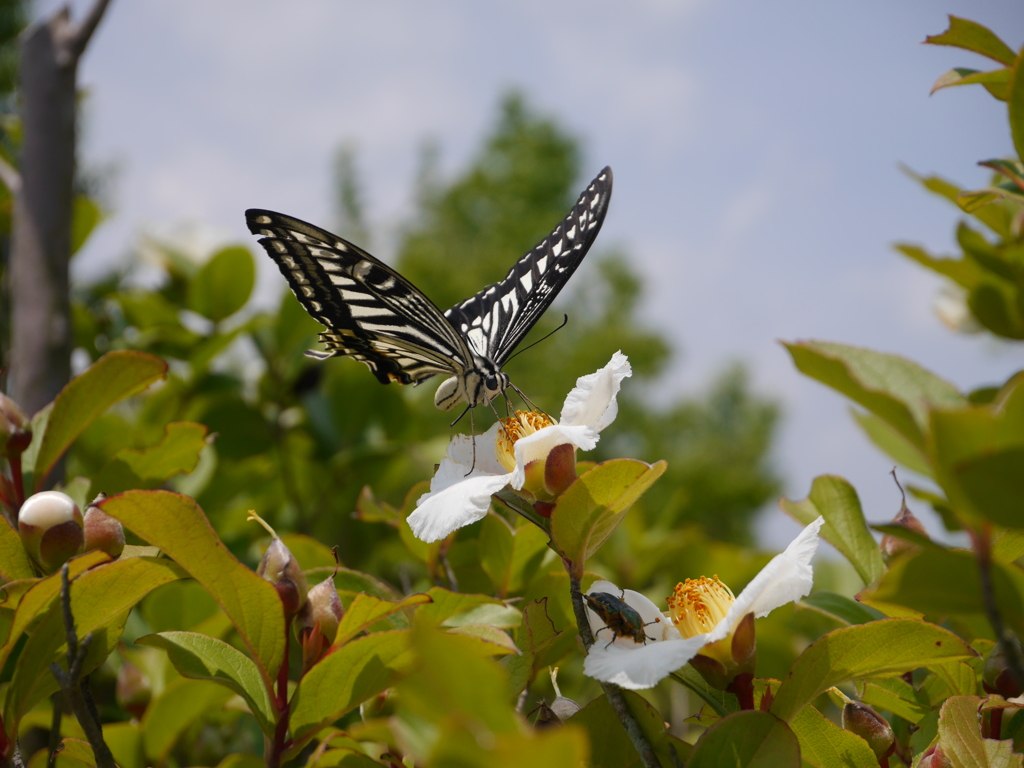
(41, 338)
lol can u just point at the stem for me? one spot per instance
(743, 687)
(17, 481)
(519, 506)
(75, 685)
(281, 730)
(982, 538)
(54, 740)
(612, 691)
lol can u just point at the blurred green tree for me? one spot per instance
(522, 181)
(298, 439)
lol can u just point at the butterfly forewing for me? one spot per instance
(374, 314)
(496, 319)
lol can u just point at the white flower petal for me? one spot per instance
(439, 513)
(460, 452)
(539, 445)
(787, 577)
(592, 401)
(643, 666)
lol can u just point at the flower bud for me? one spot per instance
(317, 622)
(281, 569)
(869, 725)
(50, 525)
(893, 546)
(102, 531)
(545, 478)
(15, 427)
(996, 675)
(564, 708)
(934, 757)
(132, 690)
(380, 706)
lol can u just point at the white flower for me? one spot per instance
(459, 496)
(787, 577)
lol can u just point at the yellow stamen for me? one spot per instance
(522, 424)
(697, 605)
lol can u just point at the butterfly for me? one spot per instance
(376, 316)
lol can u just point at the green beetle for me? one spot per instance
(619, 617)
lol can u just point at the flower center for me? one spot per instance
(512, 429)
(697, 605)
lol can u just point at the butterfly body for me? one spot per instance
(376, 316)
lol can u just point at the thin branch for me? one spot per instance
(75, 685)
(612, 691)
(53, 745)
(1011, 650)
(10, 177)
(76, 44)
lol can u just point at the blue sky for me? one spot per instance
(755, 148)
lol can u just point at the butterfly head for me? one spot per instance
(479, 384)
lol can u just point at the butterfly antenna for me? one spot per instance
(533, 406)
(565, 321)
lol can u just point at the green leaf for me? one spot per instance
(223, 285)
(747, 740)
(960, 678)
(177, 525)
(972, 36)
(342, 680)
(453, 608)
(610, 746)
(839, 607)
(535, 637)
(1009, 546)
(891, 442)
(176, 453)
(996, 80)
(179, 605)
(14, 562)
(199, 657)
(722, 703)
(895, 695)
(110, 379)
(823, 744)
(836, 500)
(182, 703)
(1015, 92)
(943, 583)
(893, 388)
(979, 458)
(77, 750)
(125, 742)
(993, 217)
(880, 649)
(85, 215)
(365, 611)
(34, 596)
(594, 505)
(961, 739)
(101, 599)
(511, 557)
(964, 272)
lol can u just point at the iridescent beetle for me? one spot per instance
(619, 617)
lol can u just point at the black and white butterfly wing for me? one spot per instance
(373, 314)
(497, 318)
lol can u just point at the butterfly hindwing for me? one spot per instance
(373, 314)
(496, 319)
